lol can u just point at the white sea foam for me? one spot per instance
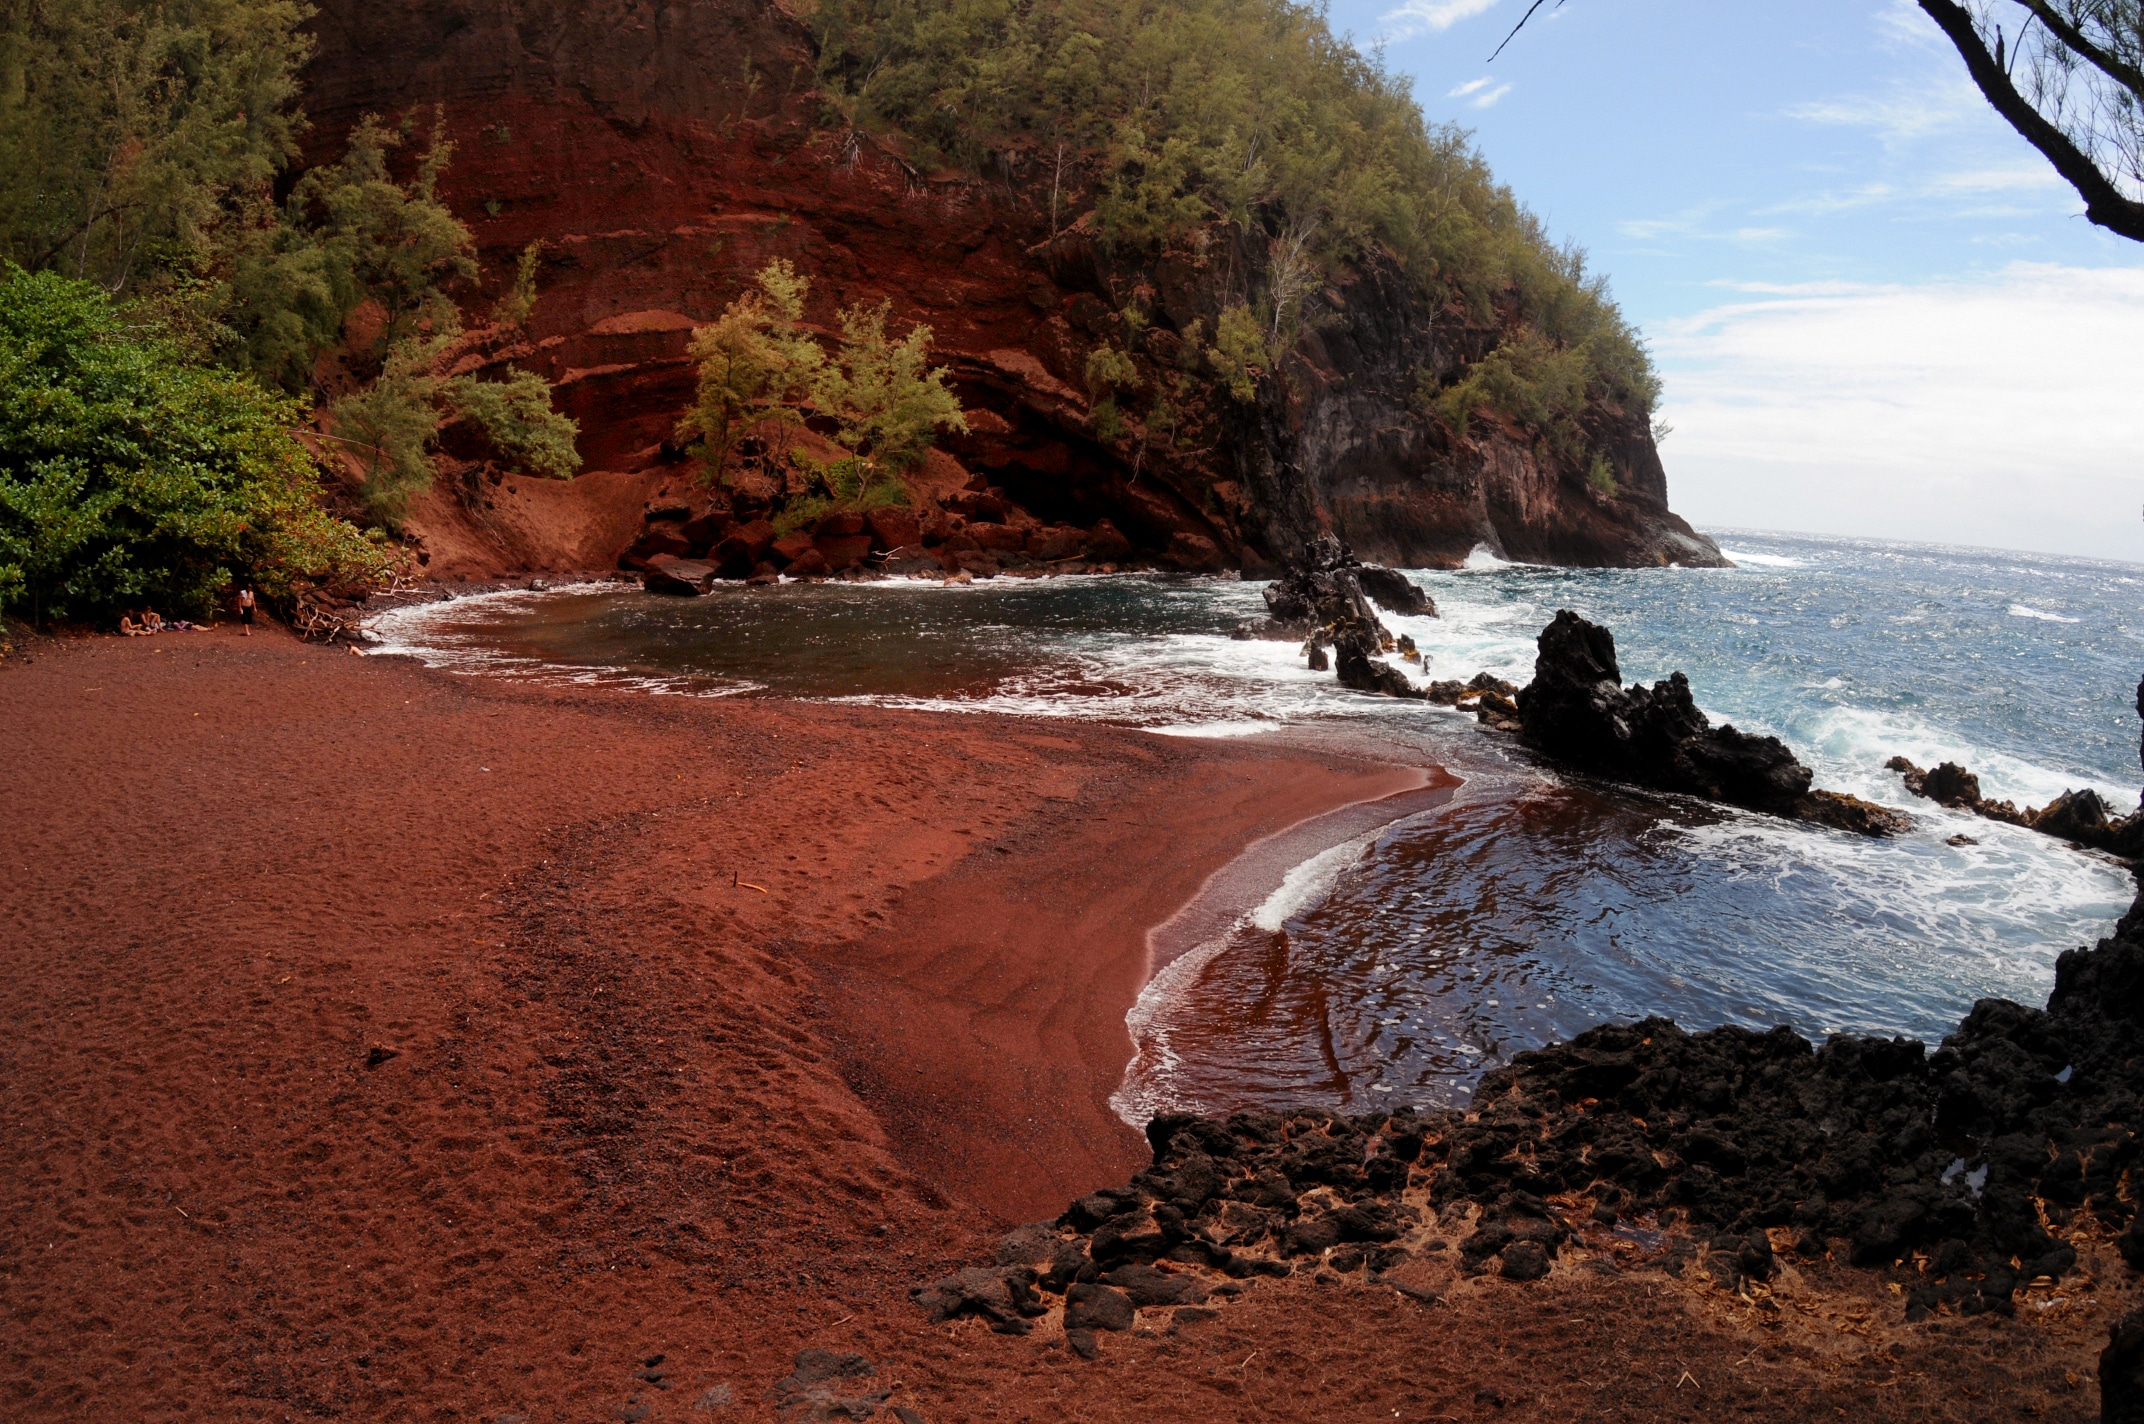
(1479, 559)
(1763, 561)
(435, 635)
(1848, 746)
(1150, 1082)
(2020, 610)
(1308, 883)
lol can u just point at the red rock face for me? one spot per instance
(664, 151)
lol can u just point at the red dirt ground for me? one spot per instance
(382, 1044)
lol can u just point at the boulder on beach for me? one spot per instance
(741, 550)
(1326, 584)
(667, 574)
(1324, 597)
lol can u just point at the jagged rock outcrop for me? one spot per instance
(1324, 596)
(1325, 583)
(2080, 817)
(663, 154)
(1577, 711)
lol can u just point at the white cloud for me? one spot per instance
(2030, 178)
(1998, 411)
(1472, 86)
(1485, 99)
(1421, 17)
(1693, 225)
(1907, 113)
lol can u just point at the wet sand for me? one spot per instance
(377, 1043)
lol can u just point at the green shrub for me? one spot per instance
(137, 135)
(1105, 420)
(758, 367)
(131, 474)
(1239, 353)
(850, 483)
(390, 427)
(889, 405)
(1531, 379)
(1109, 369)
(518, 302)
(755, 363)
(1601, 476)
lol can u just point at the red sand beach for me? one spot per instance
(385, 1044)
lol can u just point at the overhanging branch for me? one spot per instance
(2104, 203)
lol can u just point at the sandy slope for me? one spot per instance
(381, 1044)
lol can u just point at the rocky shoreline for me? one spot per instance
(1960, 1177)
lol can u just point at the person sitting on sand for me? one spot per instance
(128, 628)
(151, 621)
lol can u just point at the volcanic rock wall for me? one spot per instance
(664, 150)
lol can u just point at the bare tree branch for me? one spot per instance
(2113, 66)
(2104, 203)
(1521, 25)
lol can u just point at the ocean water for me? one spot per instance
(1395, 965)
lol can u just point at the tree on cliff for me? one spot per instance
(755, 363)
(140, 142)
(761, 369)
(1241, 139)
(137, 138)
(2068, 75)
(353, 237)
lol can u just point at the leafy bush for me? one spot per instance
(137, 135)
(888, 404)
(519, 302)
(132, 474)
(755, 364)
(392, 425)
(1109, 369)
(516, 417)
(1183, 116)
(758, 366)
(1528, 377)
(1239, 351)
(850, 483)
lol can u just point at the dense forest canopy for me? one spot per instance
(1165, 118)
(141, 143)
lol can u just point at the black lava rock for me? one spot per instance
(1097, 1307)
(1524, 1261)
(1577, 711)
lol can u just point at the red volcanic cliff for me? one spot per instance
(665, 150)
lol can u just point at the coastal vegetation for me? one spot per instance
(2068, 75)
(1245, 136)
(142, 143)
(132, 474)
(762, 370)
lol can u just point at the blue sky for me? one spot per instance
(1877, 311)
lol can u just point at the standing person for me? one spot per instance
(245, 607)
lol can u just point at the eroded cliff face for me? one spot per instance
(664, 151)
